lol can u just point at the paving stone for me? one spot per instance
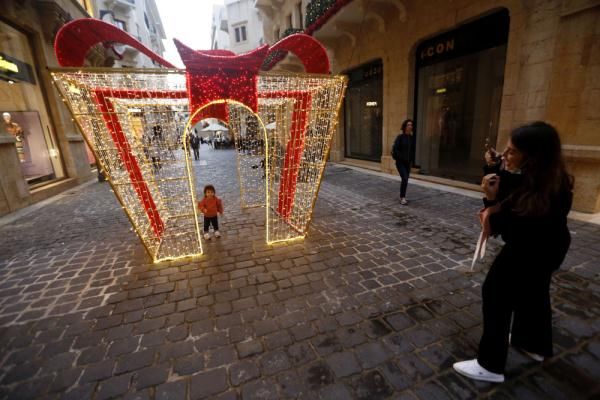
(116, 348)
(301, 353)
(188, 365)
(151, 376)
(98, 371)
(65, 379)
(290, 384)
(264, 327)
(113, 387)
(220, 357)
(414, 367)
(175, 350)
(172, 390)
(348, 318)
(207, 384)
(337, 391)
(249, 348)
(399, 321)
(260, 390)
(21, 372)
(152, 339)
(31, 389)
(396, 376)
(458, 389)
(343, 364)
(135, 361)
(350, 337)
(316, 375)
(243, 371)
(372, 385)
(274, 362)
(139, 395)
(277, 339)
(326, 344)
(371, 354)
(432, 390)
(210, 341)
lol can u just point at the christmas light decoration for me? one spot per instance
(137, 122)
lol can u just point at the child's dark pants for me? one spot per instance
(211, 220)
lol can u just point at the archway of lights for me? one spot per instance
(136, 121)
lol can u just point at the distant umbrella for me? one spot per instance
(215, 128)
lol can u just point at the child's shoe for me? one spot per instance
(207, 236)
(217, 234)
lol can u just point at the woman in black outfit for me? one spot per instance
(527, 204)
(401, 151)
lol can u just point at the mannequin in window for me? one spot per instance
(15, 130)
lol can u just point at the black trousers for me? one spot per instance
(208, 221)
(196, 153)
(516, 288)
(404, 171)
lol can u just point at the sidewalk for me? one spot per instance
(375, 303)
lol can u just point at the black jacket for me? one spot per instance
(402, 148)
(541, 239)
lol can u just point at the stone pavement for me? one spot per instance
(375, 303)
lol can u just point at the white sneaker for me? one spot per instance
(217, 234)
(403, 201)
(207, 236)
(472, 369)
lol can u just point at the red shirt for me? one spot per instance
(213, 206)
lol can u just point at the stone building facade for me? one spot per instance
(139, 18)
(467, 72)
(236, 26)
(41, 151)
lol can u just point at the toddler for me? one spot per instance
(210, 206)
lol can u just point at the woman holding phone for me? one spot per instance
(526, 203)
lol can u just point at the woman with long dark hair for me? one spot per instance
(527, 203)
(401, 153)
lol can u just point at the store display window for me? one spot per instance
(23, 110)
(363, 110)
(460, 76)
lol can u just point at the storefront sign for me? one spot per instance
(15, 70)
(443, 47)
(485, 33)
(366, 72)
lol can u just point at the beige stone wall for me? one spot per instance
(552, 70)
(573, 102)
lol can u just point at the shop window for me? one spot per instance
(23, 110)
(363, 110)
(460, 75)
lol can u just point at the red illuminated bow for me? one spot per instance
(211, 74)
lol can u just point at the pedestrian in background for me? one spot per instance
(211, 206)
(527, 204)
(195, 142)
(401, 152)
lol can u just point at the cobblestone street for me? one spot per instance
(377, 302)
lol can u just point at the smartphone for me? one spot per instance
(493, 153)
